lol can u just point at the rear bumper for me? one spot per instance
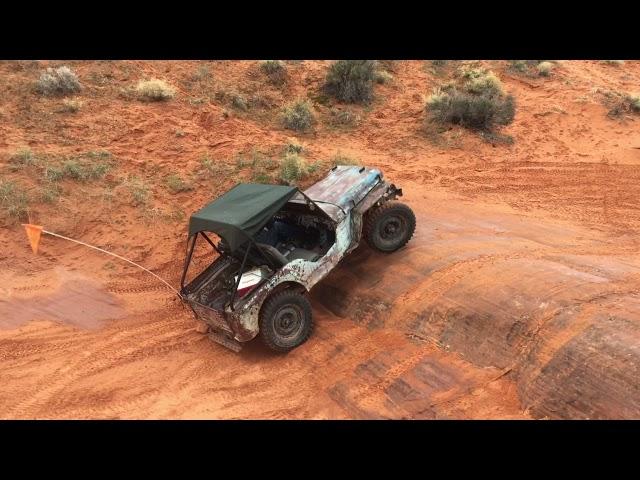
(225, 328)
(213, 318)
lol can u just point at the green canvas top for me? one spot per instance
(240, 213)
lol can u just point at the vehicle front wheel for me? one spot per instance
(389, 227)
(285, 321)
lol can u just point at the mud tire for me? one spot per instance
(389, 227)
(286, 321)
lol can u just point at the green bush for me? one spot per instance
(477, 102)
(351, 81)
(275, 70)
(479, 112)
(298, 116)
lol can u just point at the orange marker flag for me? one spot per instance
(33, 232)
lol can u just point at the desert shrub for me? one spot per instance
(13, 199)
(351, 81)
(544, 68)
(58, 81)
(293, 168)
(383, 76)
(202, 74)
(23, 157)
(139, 191)
(527, 67)
(176, 184)
(618, 103)
(70, 105)
(438, 63)
(340, 159)
(154, 90)
(84, 171)
(298, 116)
(275, 70)
(477, 102)
(530, 68)
(293, 146)
(479, 112)
(209, 166)
(485, 83)
(239, 102)
(615, 63)
(53, 174)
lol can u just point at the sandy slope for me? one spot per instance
(518, 297)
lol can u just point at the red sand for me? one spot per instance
(517, 298)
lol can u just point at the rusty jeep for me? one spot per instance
(275, 242)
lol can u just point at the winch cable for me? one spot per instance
(113, 255)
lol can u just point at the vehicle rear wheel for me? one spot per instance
(389, 227)
(285, 321)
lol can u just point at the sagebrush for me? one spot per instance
(58, 81)
(351, 81)
(275, 71)
(477, 102)
(298, 116)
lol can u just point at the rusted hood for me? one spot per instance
(343, 188)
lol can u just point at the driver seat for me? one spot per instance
(274, 254)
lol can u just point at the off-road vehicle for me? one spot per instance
(276, 242)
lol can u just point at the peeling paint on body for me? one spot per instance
(345, 195)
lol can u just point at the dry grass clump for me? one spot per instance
(13, 199)
(293, 168)
(70, 105)
(154, 90)
(545, 68)
(176, 184)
